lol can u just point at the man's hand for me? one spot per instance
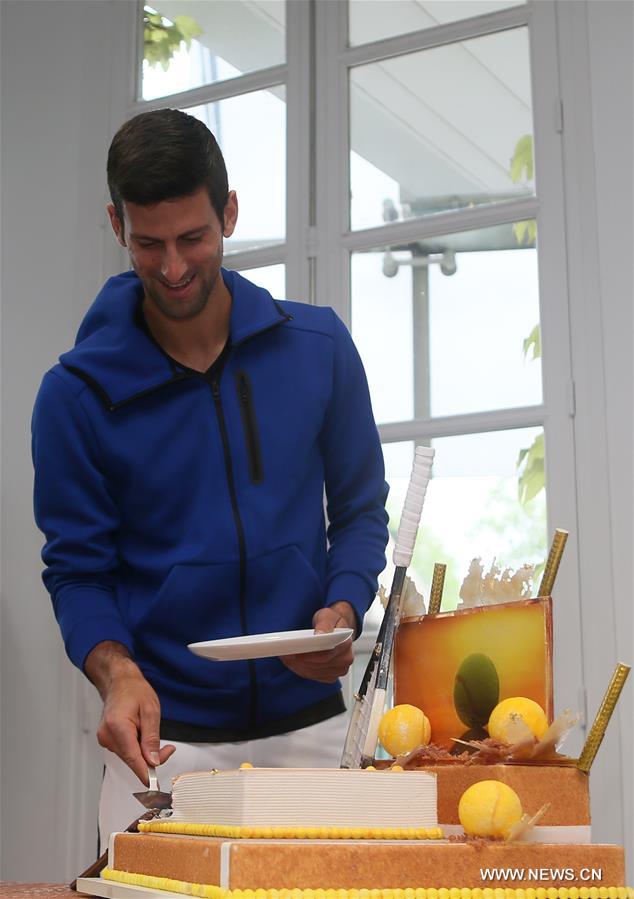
(131, 714)
(329, 664)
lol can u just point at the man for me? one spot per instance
(181, 450)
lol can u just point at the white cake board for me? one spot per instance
(110, 889)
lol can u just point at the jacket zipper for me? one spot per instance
(215, 389)
(250, 425)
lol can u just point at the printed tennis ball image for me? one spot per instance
(489, 808)
(404, 728)
(514, 709)
(476, 690)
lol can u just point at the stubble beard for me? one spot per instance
(179, 310)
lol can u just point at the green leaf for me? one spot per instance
(525, 232)
(163, 38)
(188, 27)
(533, 342)
(522, 160)
(531, 480)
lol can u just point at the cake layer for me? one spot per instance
(305, 797)
(564, 789)
(282, 864)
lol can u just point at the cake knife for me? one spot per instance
(153, 797)
(362, 737)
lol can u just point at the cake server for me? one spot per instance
(153, 797)
(362, 737)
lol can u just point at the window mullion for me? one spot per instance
(332, 287)
(438, 36)
(469, 423)
(298, 142)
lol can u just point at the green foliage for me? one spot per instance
(428, 550)
(163, 38)
(518, 532)
(525, 232)
(531, 478)
(533, 343)
(522, 167)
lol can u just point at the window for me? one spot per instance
(401, 162)
(224, 62)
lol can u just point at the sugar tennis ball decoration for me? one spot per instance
(517, 708)
(404, 728)
(489, 808)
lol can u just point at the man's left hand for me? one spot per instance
(329, 664)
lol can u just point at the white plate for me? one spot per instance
(261, 646)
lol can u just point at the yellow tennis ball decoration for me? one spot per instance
(517, 708)
(404, 728)
(489, 808)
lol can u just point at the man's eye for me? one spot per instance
(196, 239)
(146, 244)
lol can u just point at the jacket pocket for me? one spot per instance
(250, 425)
(194, 603)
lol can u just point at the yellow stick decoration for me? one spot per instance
(437, 586)
(552, 564)
(602, 719)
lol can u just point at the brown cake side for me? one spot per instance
(291, 864)
(563, 788)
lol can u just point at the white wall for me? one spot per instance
(60, 62)
(64, 91)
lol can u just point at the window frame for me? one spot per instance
(319, 242)
(336, 242)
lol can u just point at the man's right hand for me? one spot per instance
(131, 714)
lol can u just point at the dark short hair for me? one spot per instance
(163, 155)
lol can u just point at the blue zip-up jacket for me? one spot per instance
(180, 506)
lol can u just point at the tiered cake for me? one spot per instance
(308, 831)
(390, 833)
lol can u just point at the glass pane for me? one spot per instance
(373, 20)
(261, 188)
(271, 277)
(449, 325)
(226, 38)
(441, 129)
(473, 507)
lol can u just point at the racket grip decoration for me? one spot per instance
(414, 499)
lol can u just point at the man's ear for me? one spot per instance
(117, 224)
(230, 214)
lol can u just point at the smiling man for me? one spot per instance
(181, 450)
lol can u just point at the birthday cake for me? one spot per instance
(503, 817)
(268, 834)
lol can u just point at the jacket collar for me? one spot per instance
(118, 357)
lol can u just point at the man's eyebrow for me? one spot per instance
(190, 233)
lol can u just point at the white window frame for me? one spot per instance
(319, 243)
(336, 241)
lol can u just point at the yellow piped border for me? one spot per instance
(208, 891)
(279, 832)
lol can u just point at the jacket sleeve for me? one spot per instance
(355, 483)
(75, 510)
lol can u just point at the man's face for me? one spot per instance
(175, 248)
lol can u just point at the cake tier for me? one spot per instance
(282, 864)
(563, 789)
(305, 797)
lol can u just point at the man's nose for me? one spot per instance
(173, 267)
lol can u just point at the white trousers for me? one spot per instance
(317, 746)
